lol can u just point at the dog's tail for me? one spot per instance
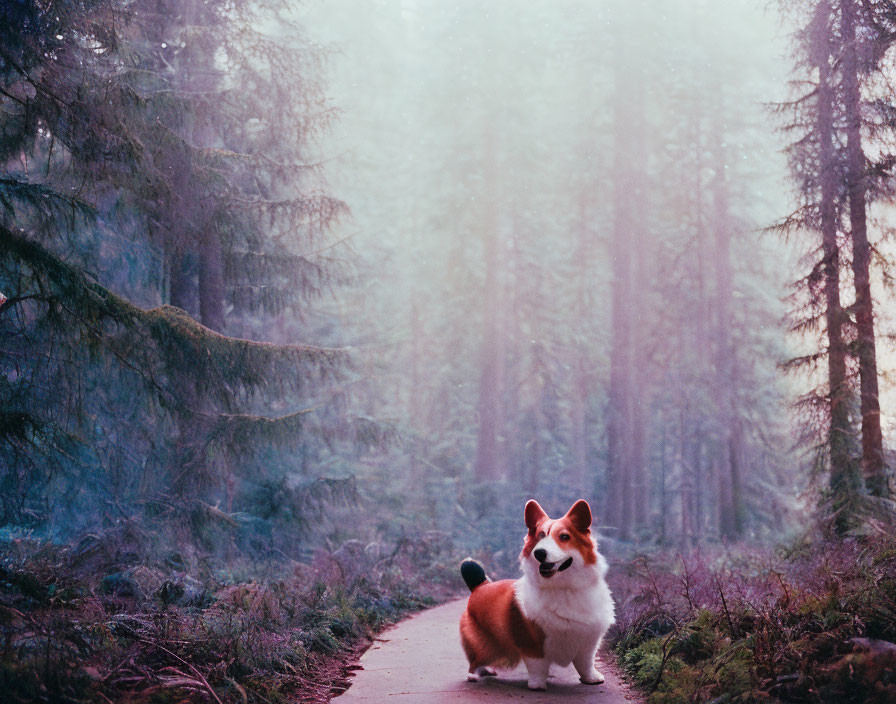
(473, 573)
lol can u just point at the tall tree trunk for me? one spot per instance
(640, 496)
(698, 478)
(627, 503)
(581, 379)
(717, 474)
(617, 412)
(687, 473)
(728, 477)
(638, 242)
(735, 463)
(698, 482)
(844, 478)
(663, 499)
(618, 507)
(873, 467)
(489, 458)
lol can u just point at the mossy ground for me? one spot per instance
(818, 626)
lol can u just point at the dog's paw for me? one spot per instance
(479, 673)
(538, 685)
(593, 677)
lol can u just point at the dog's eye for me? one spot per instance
(564, 537)
(541, 535)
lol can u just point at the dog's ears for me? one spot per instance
(580, 515)
(534, 515)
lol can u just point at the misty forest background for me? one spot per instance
(299, 303)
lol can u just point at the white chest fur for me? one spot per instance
(574, 612)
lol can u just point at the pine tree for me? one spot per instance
(840, 46)
(181, 132)
(873, 468)
(817, 164)
(624, 420)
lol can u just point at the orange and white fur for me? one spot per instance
(556, 613)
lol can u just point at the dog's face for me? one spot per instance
(555, 546)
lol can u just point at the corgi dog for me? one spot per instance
(556, 613)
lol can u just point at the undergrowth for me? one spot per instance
(817, 624)
(113, 629)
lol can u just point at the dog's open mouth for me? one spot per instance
(549, 569)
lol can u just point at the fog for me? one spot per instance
(486, 151)
(446, 255)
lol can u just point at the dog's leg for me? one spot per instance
(538, 672)
(584, 664)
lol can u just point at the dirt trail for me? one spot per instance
(420, 661)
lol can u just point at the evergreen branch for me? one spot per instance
(241, 432)
(188, 351)
(40, 197)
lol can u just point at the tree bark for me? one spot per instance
(844, 479)
(686, 486)
(728, 510)
(663, 507)
(873, 467)
(628, 498)
(640, 495)
(638, 243)
(701, 473)
(618, 506)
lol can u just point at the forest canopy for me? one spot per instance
(167, 224)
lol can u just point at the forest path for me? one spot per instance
(420, 661)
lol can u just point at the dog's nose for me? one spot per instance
(540, 554)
